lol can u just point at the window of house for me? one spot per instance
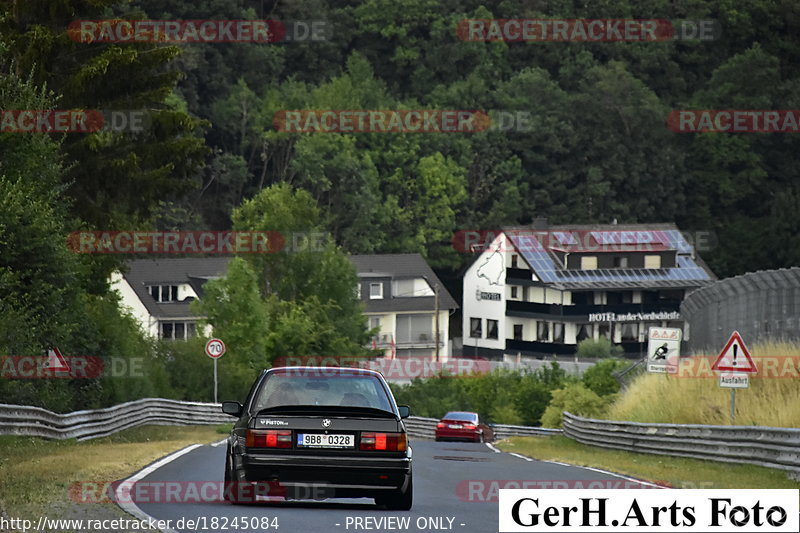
(164, 293)
(543, 331)
(514, 292)
(585, 331)
(374, 322)
(514, 261)
(589, 262)
(582, 298)
(620, 262)
(491, 329)
(358, 291)
(375, 291)
(475, 328)
(558, 333)
(652, 261)
(177, 330)
(414, 328)
(517, 332)
(630, 331)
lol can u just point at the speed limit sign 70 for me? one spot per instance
(215, 348)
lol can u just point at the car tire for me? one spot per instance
(402, 500)
(231, 491)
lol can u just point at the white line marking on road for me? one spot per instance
(223, 441)
(124, 500)
(495, 450)
(599, 470)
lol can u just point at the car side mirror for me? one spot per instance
(232, 408)
(405, 411)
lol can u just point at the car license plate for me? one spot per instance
(317, 440)
(454, 426)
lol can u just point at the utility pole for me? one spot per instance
(436, 317)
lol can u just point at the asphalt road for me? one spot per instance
(443, 498)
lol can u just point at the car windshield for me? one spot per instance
(458, 415)
(285, 389)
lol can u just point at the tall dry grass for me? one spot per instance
(693, 395)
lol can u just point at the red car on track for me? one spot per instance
(463, 425)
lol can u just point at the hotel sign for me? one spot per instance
(634, 317)
(480, 295)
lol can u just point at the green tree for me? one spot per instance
(117, 177)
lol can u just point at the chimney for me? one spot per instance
(540, 223)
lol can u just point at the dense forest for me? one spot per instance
(597, 149)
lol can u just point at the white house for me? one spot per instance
(158, 292)
(399, 295)
(538, 292)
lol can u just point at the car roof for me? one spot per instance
(336, 369)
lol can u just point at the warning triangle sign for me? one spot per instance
(734, 357)
(56, 361)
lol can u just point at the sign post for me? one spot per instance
(215, 349)
(736, 365)
(663, 349)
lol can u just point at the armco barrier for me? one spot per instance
(764, 446)
(83, 425)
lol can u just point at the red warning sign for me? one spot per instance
(734, 357)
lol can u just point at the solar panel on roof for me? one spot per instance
(565, 238)
(548, 272)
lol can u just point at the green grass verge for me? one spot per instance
(676, 472)
(36, 474)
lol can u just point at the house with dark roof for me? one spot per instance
(159, 292)
(399, 292)
(539, 291)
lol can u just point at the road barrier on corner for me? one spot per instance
(83, 425)
(763, 446)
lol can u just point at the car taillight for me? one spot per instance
(441, 425)
(388, 442)
(470, 426)
(270, 438)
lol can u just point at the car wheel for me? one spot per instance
(231, 488)
(401, 500)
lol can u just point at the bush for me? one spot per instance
(601, 348)
(600, 377)
(506, 414)
(502, 396)
(578, 400)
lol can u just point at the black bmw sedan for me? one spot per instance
(316, 433)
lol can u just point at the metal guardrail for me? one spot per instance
(84, 425)
(763, 446)
(424, 428)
